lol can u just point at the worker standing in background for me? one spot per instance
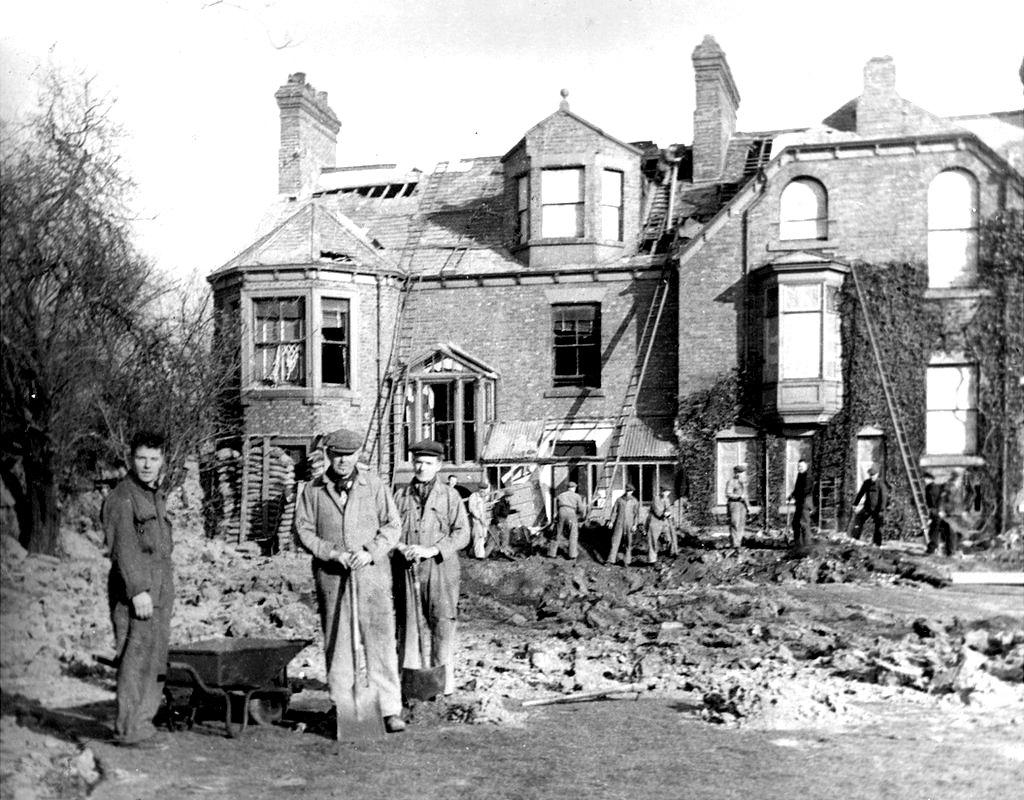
(434, 530)
(658, 523)
(501, 528)
(737, 503)
(476, 507)
(569, 510)
(803, 502)
(872, 493)
(932, 493)
(624, 520)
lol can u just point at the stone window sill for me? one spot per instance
(952, 461)
(956, 293)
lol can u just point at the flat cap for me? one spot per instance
(427, 447)
(483, 485)
(343, 441)
(740, 468)
(872, 471)
(631, 488)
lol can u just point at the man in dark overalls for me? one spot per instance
(140, 588)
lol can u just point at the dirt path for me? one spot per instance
(614, 749)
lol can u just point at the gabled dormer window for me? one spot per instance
(561, 197)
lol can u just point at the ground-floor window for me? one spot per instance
(448, 411)
(730, 453)
(870, 453)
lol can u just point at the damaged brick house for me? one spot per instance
(541, 312)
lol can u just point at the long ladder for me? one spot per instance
(404, 332)
(613, 462)
(909, 464)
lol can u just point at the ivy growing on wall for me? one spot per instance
(986, 327)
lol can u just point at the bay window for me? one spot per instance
(279, 341)
(611, 205)
(561, 197)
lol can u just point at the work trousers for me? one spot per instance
(613, 551)
(376, 619)
(566, 525)
(802, 524)
(941, 532)
(478, 532)
(501, 530)
(737, 521)
(863, 516)
(435, 641)
(656, 528)
(142, 653)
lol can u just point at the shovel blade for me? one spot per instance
(422, 684)
(359, 718)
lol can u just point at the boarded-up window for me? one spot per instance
(577, 344)
(279, 341)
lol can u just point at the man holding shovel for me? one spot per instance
(348, 521)
(426, 561)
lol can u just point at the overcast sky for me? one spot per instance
(420, 81)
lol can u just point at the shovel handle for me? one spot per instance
(418, 604)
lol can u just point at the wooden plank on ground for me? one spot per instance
(990, 578)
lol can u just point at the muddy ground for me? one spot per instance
(845, 672)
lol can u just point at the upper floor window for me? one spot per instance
(802, 331)
(952, 229)
(334, 341)
(577, 344)
(952, 400)
(523, 209)
(803, 210)
(279, 343)
(611, 205)
(561, 197)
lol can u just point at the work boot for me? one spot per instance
(394, 724)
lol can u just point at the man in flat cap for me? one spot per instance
(624, 520)
(434, 530)
(737, 503)
(476, 507)
(347, 519)
(872, 492)
(659, 523)
(569, 510)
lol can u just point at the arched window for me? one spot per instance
(803, 210)
(952, 229)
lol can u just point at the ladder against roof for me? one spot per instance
(909, 463)
(406, 324)
(645, 345)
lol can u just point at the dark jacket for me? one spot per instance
(502, 510)
(873, 492)
(138, 534)
(932, 493)
(802, 487)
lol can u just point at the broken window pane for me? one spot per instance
(334, 346)
(952, 419)
(279, 341)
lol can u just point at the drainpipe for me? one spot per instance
(380, 422)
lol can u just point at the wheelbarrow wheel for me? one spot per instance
(268, 708)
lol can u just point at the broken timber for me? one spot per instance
(582, 697)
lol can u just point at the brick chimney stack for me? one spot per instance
(714, 117)
(309, 136)
(879, 109)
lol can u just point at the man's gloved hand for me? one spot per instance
(142, 603)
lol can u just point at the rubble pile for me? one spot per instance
(40, 766)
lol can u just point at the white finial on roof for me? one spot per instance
(564, 104)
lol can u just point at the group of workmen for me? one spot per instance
(385, 569)
(945, 504)
(386, 563)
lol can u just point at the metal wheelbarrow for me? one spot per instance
(250, 670)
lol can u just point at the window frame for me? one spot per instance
(579, 204)
(940, 232)
(752, 458)
(617, 207)
(523, 208)
(257, 346)
(970, 412)
(581, 379)
(795, 228)
(345, 345)
(465, 444)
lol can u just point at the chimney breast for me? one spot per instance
(309, 136)
(714, 115)
(879, 109)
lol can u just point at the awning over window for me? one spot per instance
(647, 438)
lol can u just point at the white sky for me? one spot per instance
(425, 80)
